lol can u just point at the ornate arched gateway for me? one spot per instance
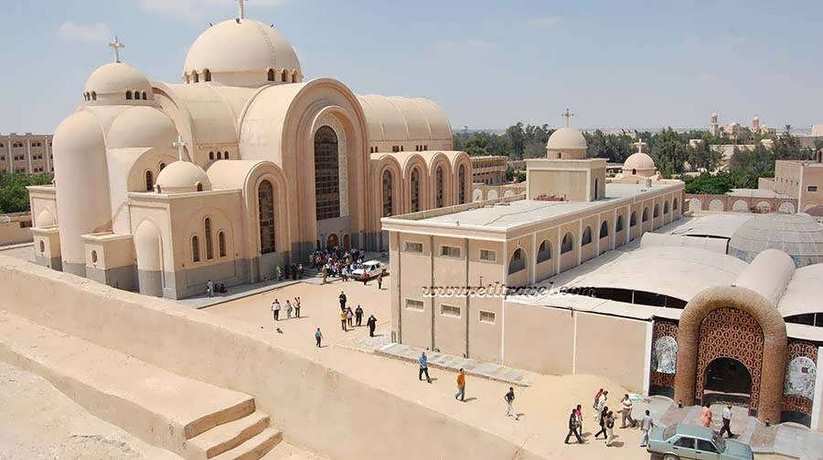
(721, 329)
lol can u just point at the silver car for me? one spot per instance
(684, 441)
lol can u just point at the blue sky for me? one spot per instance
(630, 63)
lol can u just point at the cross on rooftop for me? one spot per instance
(116, 45)
(180, 145)
(242, 6)
(568, 116)
(640, 144)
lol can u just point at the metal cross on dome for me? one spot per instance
(242, 5)
(116, 45)
(180, 145)
(568, 116)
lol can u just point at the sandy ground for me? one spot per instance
(544, 406)
(39, 422)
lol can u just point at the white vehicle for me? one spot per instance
(368, 270)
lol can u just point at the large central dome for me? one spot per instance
(242, 53)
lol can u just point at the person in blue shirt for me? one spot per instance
(424, 367)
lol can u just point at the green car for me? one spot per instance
(682, 441)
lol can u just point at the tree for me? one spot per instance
(13, 194)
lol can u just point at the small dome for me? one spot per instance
(567, 139)
(798, 235)
(141, 126)
(639, 162)
(183, 177)
(241, 54)
(110, 83)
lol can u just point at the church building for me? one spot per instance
(242, 166)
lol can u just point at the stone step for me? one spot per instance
(255, 448)
(226, 436)
(162, 408)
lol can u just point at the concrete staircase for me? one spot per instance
(193, 419)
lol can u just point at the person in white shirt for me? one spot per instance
(275, 310)
(727, 421)
(646, 425)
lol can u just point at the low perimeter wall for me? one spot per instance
(316, 407)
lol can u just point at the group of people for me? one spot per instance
(605, 418)
(291, 308)
(350, 319)
(706, 419)
(215, 288)
(289, 271)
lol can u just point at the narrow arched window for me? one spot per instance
(544, 252)
(195, 249)
(604, 229)
(283, 76)
(415, 190)
(195, 77)
(265, 203)
(388, 196)
(633, 219)
(94, 95)
(149, 181)
(596, 188)
(225, 155)
(207, 75)
(211, 155)
(567, 245)
(199, 187)
(271, 75)
(209, 247)
(587, 236)
(221, 244)
(517, 262)
(618, 227)
(438, 185)
(674, 204)
(461, 182)
(634, 172)
(645, 214)
(143, 94)
(656, 213)
(128, 94)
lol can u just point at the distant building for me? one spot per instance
(489, 170)
(799, 179)
(26, 153)
(15, 228)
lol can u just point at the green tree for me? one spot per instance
(13, 194)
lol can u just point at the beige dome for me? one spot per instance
(567, 139)
(110, 82)
(183, 177)
(142, 127)
(639, 162)
(241, 53)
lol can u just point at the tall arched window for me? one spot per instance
(388, 198)
(94, 95)
(415, 190)
(438, 184)
(209, 245)
(195, 77)
(666, 207)
(587, 236)
(544, 252)
(326, 174)
(207, 75)
(618, 227)
(128, 94)
(674, 204)
(195, 249)
(517, 262)
(567, 245)
(265, 202)
(283, 77)
(604, 229)
(294, 77)
(149, 181)
(656, 212)
(271, 75)
(645, 214)
(461, 182)
(633, 219)
(199, 187)
(596, 188)
(143, 94)
(221, 244)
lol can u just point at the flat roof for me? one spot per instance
(509, 215)
(720, 225)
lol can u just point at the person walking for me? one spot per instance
(424, 367)
(289, 309)
(342, 298)
(646, 426)
(318, 337)
(579, 411)
(210, 288)
(626, 412)
(609, 428)
(275, 310)
(279, 272)
(574, 427)
(727, 421)
(358, 315)
(706, 416)
(602, 423)
(343, 320)
(599, 404)
(297, 307)
(380, 281)
(372, 323)
(461, 386)
(509, 398)
(349, 317)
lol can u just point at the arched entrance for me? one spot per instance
(727, 380)
(332, 241)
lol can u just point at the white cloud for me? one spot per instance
(545, 22)
(89, 33)
(198, 9)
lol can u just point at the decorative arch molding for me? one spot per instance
(461, 159)
(435, 161)
(413, 161)
(773, 362)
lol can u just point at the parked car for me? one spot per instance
(368, 270)
(684, 441)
